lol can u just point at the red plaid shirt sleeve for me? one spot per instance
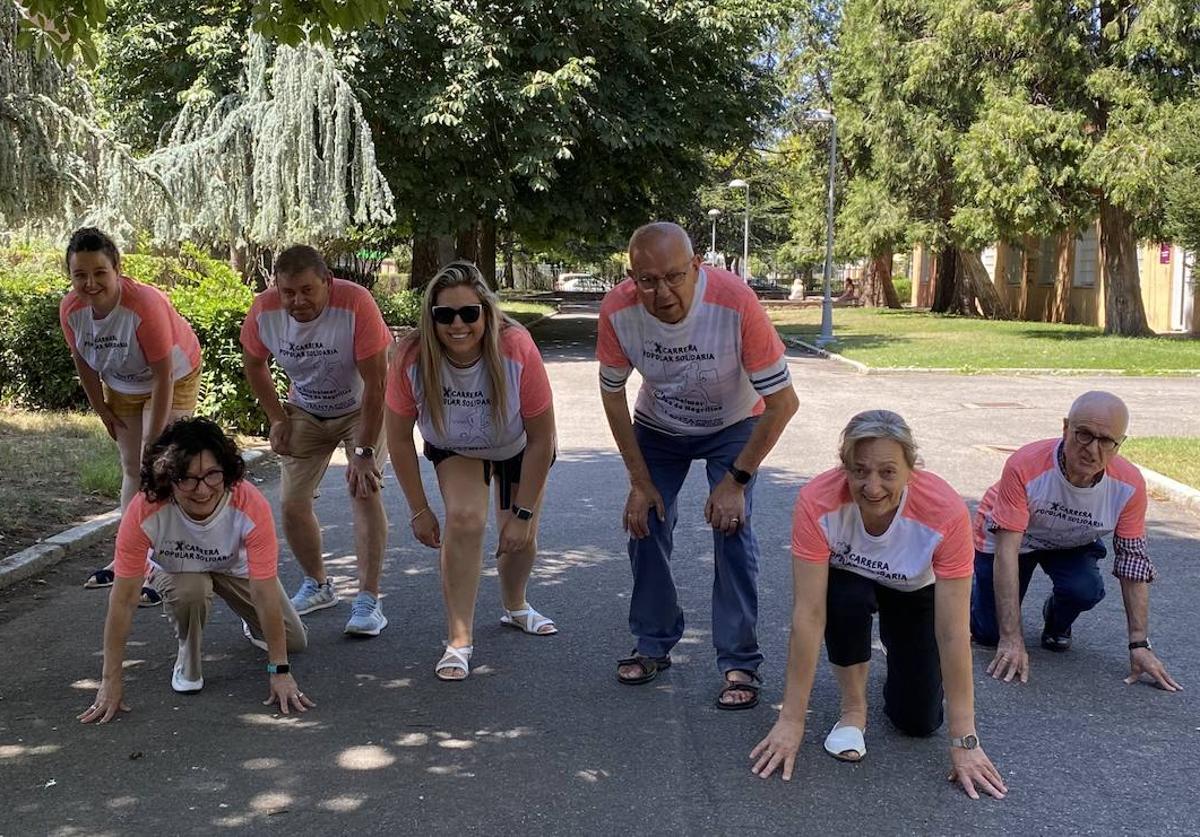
(1131, 560)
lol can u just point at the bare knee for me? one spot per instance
(465, 522)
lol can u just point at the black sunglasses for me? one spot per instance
(444, 314)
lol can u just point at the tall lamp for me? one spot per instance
(742, 184)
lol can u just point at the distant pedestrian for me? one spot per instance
(715, 387)
(1054, 504)
(330, 339)
(211, 532)
(137, 358)
(880, 534)
(473, 382)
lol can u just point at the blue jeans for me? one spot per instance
(655, 618)
(1077, 587)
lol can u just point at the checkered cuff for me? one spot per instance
(1131, 560)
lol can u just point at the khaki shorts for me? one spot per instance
(313, 441)
(184, 394)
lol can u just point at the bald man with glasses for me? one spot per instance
(1056, 501)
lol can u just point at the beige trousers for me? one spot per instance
(188, 599)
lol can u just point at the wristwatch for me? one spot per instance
(739, 476)
(1144, 643)
(522, 513)
(278, 668)
(967, 742)
(365, 451)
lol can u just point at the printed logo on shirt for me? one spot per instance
(315, 348)
(653, 350)
(105, 343)
(842, 554)
(179, 550)
(1060, 511)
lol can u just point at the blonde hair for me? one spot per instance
(878, 424)
(454, 275)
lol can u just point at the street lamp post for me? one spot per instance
(826, 336)
(714, 214)
(742, 184)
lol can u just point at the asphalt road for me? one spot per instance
(541, 739)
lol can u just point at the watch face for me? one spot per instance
(970, 742)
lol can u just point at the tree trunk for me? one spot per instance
(977, 285)
(487, 252)
(1061, 305)
(1124, 312)
(509, 274)
(1030, 256)
(945, 292)
(425, 261)
(467, 244)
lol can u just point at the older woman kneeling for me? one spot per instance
(879, 534)
(211, 532)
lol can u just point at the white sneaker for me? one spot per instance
(180, 683)
(366, 616)
(313, 595)
(248, 634)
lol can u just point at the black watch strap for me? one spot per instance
(1144, 643)
(522, 513)
(739, 476)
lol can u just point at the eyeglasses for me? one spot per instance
(444, 314)
(212, 479)
(1107, 443)
(649, 283)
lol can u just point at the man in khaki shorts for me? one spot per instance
(329, 338)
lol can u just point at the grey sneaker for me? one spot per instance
(314, 596)
(366, 616)
(178, 681)
(257, 642)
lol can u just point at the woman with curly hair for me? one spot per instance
(210, 532)
(473, 382)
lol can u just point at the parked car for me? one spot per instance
(581, 282)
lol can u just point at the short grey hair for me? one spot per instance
(878, 424)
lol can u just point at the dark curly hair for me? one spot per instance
(92, 240)
(166, 460)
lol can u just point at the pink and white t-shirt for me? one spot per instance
(142, 329)
(320, 357)
(467, 399)
(237, 539)
(929, 539)
(1033, 496)
(700, 375)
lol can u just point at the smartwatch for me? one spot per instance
(967, 742)
(365, 451)
(278, 668)
(739, 476)
(522, 513)
(1145, 643)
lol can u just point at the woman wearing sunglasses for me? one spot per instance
(210, 531)
(492, 414)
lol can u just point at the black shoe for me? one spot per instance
(1060, 641)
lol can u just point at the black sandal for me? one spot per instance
(752, 686)
(650, 667)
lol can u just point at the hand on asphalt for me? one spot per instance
(1144, 661)
(778, 750)
(287, 694)
(726, 507)
(642, 498)
(1011, 660)
(107, 704)
(972, 769)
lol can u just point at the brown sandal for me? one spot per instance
(650, 667)
(752, 686)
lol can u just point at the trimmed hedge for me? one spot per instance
(36, 370)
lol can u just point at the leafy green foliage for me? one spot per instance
(402, 308)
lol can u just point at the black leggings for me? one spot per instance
(912, 692)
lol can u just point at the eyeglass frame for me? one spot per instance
(182, 483)
(671, 280)
(457, 313)
(1102, 442)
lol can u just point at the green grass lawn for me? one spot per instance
(1175, 457)
(909, 338)
(526, 312)
(57, 468)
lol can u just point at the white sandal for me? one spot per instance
(843, 739)
(458, 659)
(528, 620)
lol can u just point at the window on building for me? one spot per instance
(1087, 260)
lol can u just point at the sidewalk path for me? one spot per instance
(542, 740)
